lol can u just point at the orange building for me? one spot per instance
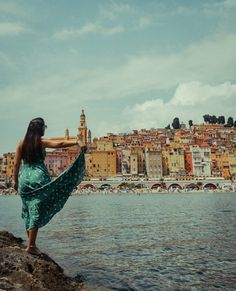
(101, 164)
(232, 163)
(188, 162)
(8, 165)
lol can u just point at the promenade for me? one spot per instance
(147, 186)
(169, 185)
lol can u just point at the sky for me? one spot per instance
(129, 64)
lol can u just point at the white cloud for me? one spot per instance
(190, 101)
(12, 28)
(112, 19)
(207, 62)
(92, 27)
(114, 10)
(190, 72)
(211, 61)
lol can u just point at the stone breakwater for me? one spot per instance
(22, 271)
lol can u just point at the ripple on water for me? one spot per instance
(142, 242)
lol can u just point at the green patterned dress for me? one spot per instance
(42, 197)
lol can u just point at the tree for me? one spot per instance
(175, 123)
(206, 118)
(190, 122)
(230, 121)
(167, 127)
(235, 123)
(212, 119)
(221, 119)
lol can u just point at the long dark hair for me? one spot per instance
(32, 150)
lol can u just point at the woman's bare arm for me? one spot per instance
(17, 163)
(58, 144)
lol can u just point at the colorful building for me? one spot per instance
(134, 161)
(125, 164)
(232, 163)
(101, 164)
(56, 162)
(188, 162)
(153, 160)
(8, 165)
(104, 145)
(201, 156)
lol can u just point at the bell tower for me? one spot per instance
(82, 130)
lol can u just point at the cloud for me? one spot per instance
(210, 61)
(114, 10)
(12, 28)
(190, 101)
(89, 28)
(111, 19)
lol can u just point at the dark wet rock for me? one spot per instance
(22, 271)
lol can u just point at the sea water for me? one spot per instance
(179, 241)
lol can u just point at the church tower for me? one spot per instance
(89, 136)
(67, 134)
(82, 130)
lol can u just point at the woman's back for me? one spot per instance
(33, 176)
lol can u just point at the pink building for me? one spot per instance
(56, 162)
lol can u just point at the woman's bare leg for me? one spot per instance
(32, 235)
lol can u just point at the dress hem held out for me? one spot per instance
(42, 197)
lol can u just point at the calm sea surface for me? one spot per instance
(140, 242)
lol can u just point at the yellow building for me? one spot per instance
(173, 161)
(84, 135)
(176, 161)
(137, 160)
(165, 164)
(101, 164)
(182, 138)
(232, 163)
(82, 130)
(8, 165)
(104, 145)
(226, 160)
(133, 161)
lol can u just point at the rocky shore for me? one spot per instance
(22, 271)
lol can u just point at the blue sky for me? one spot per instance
(128, 64)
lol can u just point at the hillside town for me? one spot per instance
(197, 152)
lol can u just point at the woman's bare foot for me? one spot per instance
(33, 250)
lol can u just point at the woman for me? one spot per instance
(41, 197)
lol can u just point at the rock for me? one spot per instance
(22, 271)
